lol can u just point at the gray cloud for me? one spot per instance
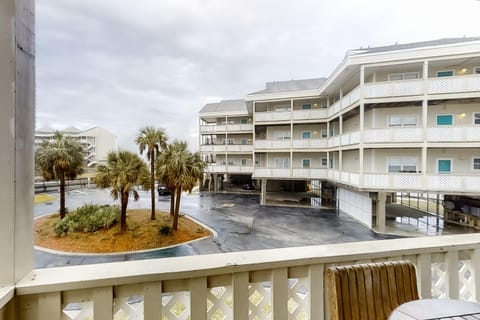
(125, 64)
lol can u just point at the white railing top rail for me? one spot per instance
(142, 271)
(6, 294)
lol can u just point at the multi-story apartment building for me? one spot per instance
(97, 142)
(388, 119)
(226, 143)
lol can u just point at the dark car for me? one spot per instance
(163, 191)
(248, 186)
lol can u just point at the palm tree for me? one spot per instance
(180, 170)
(60, 158)
(151, 140)
(123, 172)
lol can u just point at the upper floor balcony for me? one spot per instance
(223, 128)
(224, 148)
(233, 168)
(287, 283)
(273, 144)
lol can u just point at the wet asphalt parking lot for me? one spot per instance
(238, 219)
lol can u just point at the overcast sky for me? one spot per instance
(124, 64)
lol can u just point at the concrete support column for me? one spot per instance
(263, 196)
(17, 118)
(380, 208)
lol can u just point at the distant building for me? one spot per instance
(96, 141)
(400, 118)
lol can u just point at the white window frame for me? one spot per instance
(324, 133)
(473, 163)
(474, 71)
(243, 162)
(322, 161)
(309, 163)
(436, 165)
(242, 140)
(474, 116)
(285, 162)
(282, 108)
(403, 162)
(402, 118)
(453, 72)
(402, 75)
(281, 135)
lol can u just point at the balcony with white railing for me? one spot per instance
(287, 283)
(394, 88)
(260, 172)
(393, 135)
(350, 138)
(231, 127)
(272, 144)
(309, 173)
(457, 84)
(269, 116)
(310, 114)
(310, 143)
(393, 181)
(220, 148)
(453, 134)
(453, 183)
(231, 168)
(350, 98)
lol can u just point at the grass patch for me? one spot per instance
(43, 197)
(142, 234)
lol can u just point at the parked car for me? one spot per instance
(248, 186)
(163, 191)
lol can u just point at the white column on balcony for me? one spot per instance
(17, 112)
(291, 138)
(362, 123)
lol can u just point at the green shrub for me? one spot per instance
(88, 218)
(165, 230)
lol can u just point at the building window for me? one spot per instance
(331, 163)
(444, 120)
(230, 141)
(243, 141)
(307, 106)
(402, 121)
(324, 134)
(403, 76)
(243, 121)
(306, 163)
(281, 135)
(445, 73)
(444, 166)
(476, 163)
(402, 164)
(476, 70)
(282, 108)
(282, 163)
(324, 162)
(476, 118)
(244, 162)
(306, 135)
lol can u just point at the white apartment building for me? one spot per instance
(96, 141)
(400, 118)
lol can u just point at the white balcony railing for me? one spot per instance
(458, 84)
(350, 138)
(219, 148)
(272, 144)
(309, 173)
(350, 98)
(453, 183)
(237, 127)
(310, 143)
(334, 141)
(286, 283)
(393, 135)
(271, 172)
(272, 116)
(310, 114)
(393, 88)
(453, 134)
(216, 168)
(393, 181)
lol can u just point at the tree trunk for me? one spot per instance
(177, 209)
(172, 202)
(123, 215)
(152, 183)
(62, 195)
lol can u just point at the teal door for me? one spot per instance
(444, 166)
(444, 120)
(447, 73)
(307, 106)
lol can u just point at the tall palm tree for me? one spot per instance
(123, 172)
(151, 140)
(60, 158)
(181, 170)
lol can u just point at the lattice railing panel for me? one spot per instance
(128, 308)
(176, 306)
(466, 280)
(298, 299)
(439, 280)
(220, 303)
(260, 297)
(78, 311)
